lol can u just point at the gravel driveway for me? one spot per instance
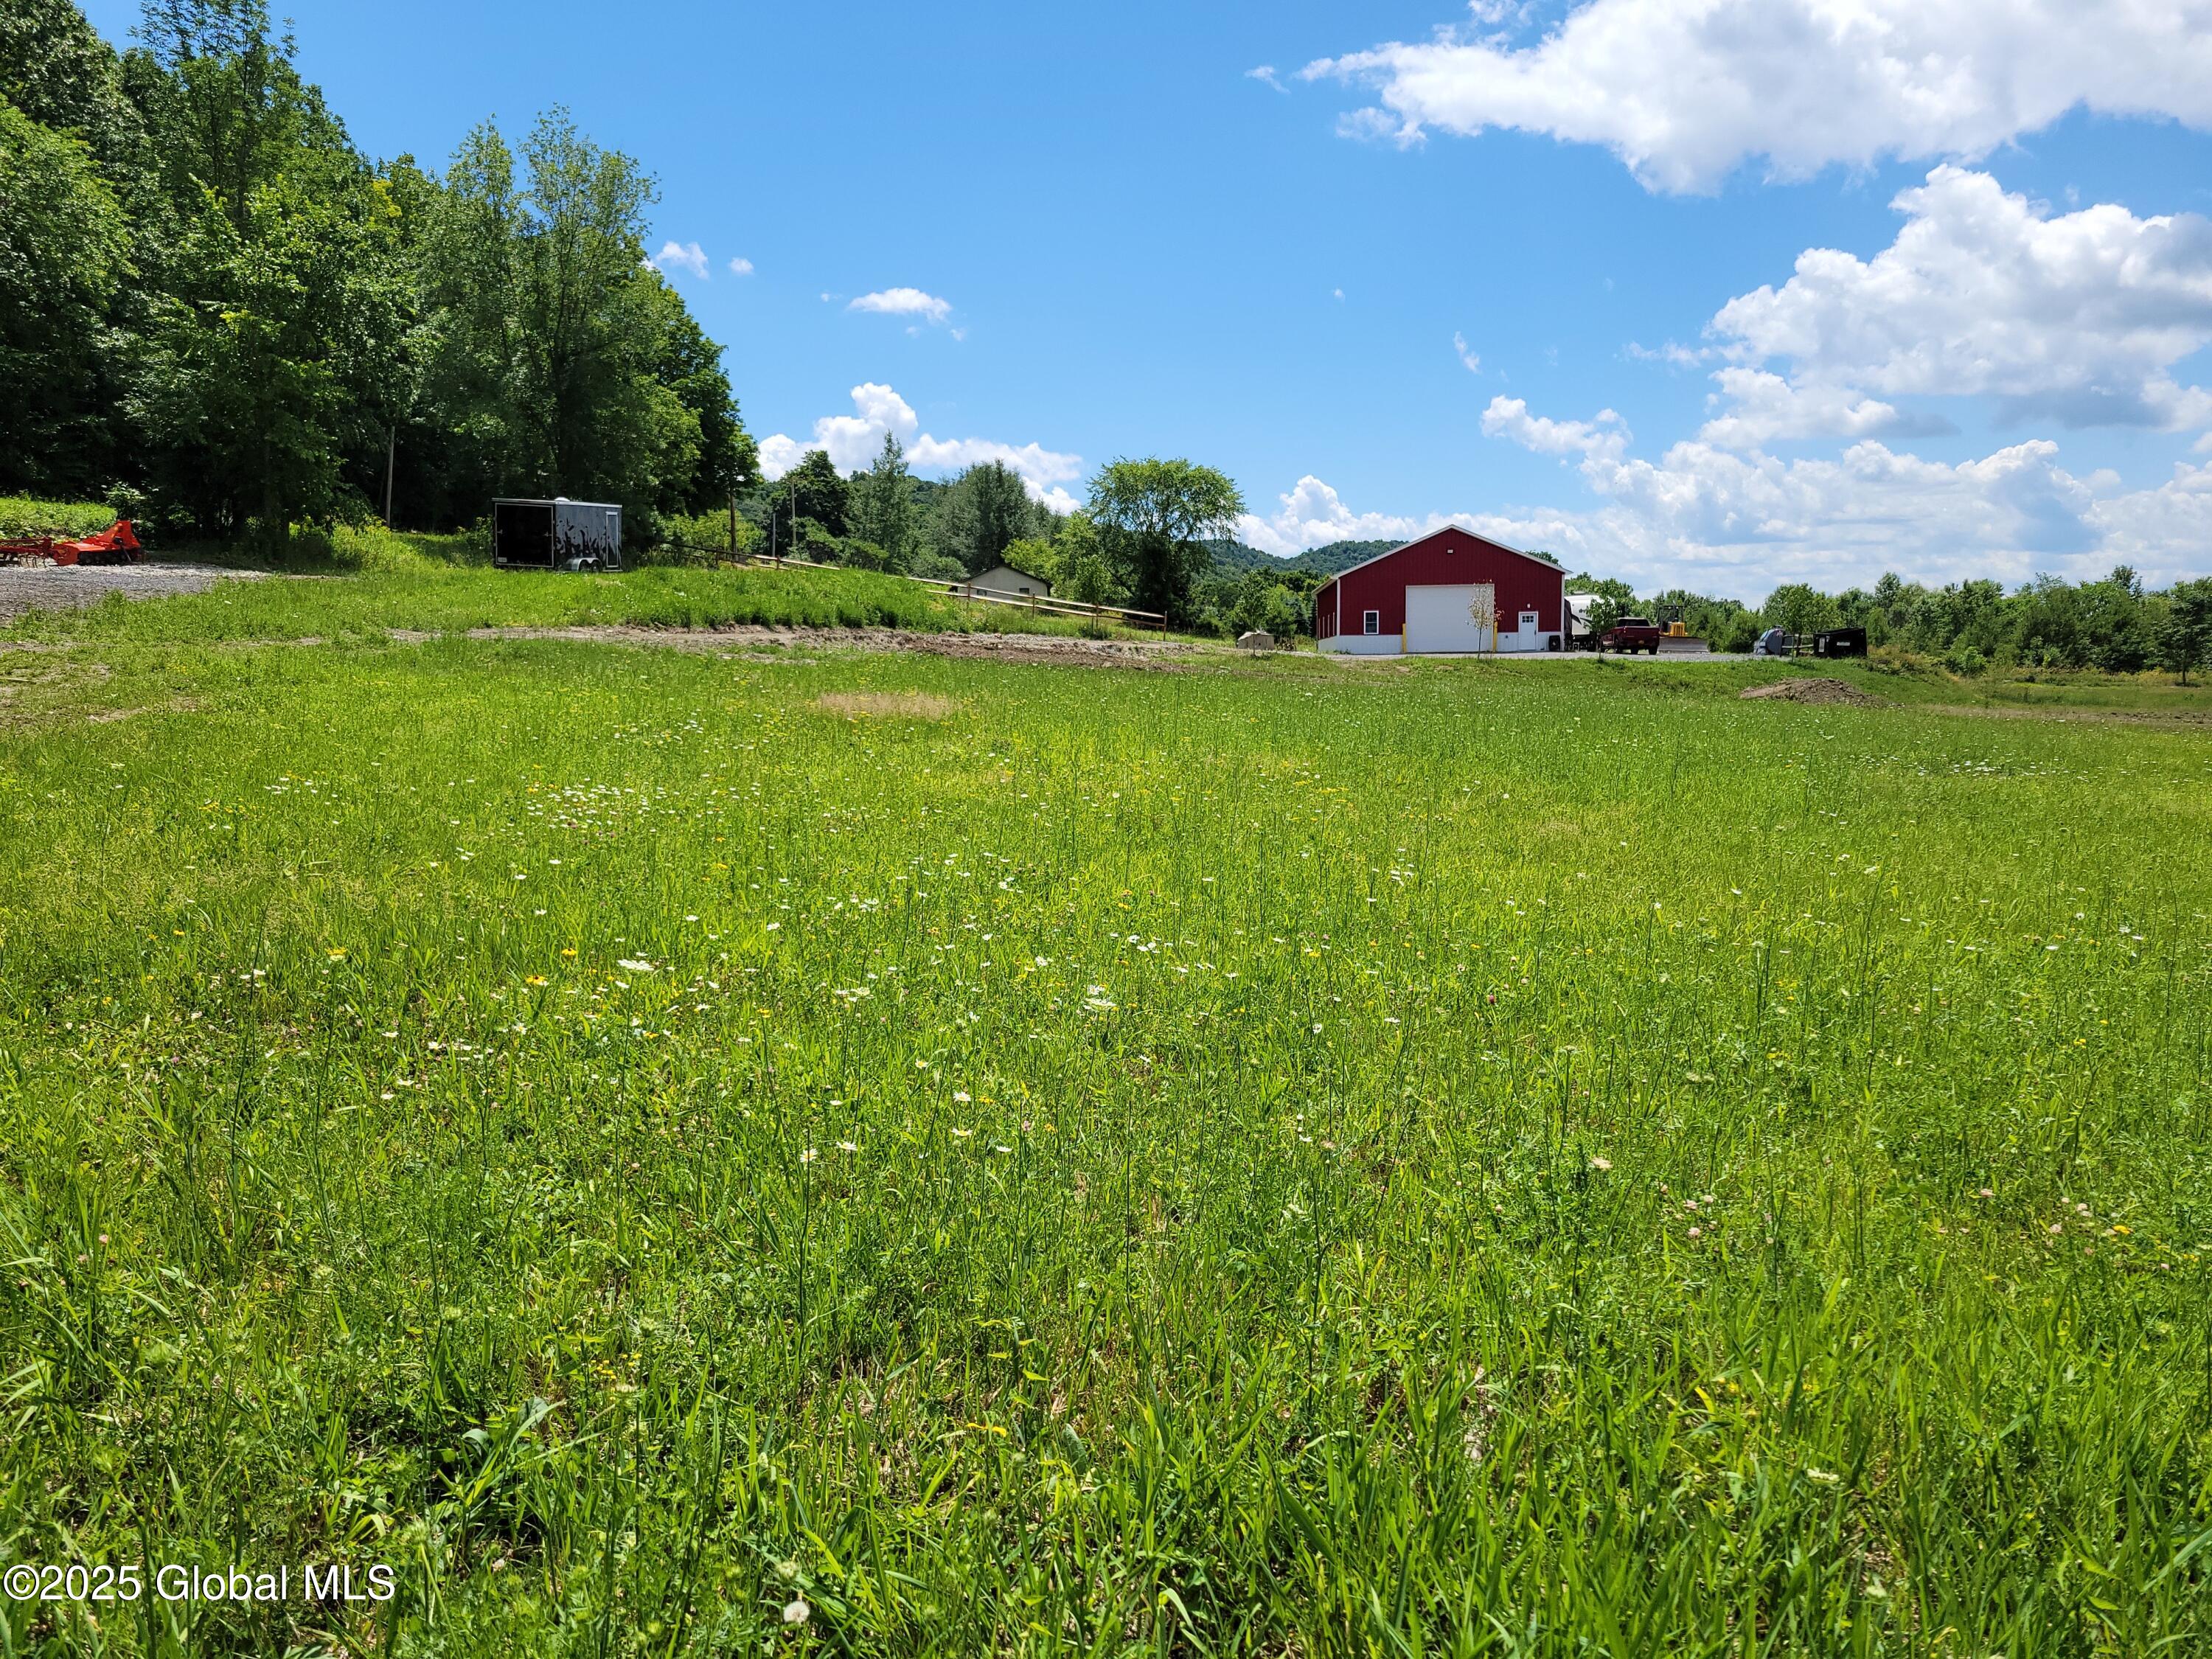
(55, 587)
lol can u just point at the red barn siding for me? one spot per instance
(1449, 557)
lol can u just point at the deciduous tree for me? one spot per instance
(982, 512)
(814, 490)
(2185, 636)
(1156, 517)
(64, 257)
(881, 505)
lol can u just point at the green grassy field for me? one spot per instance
(888, 1154)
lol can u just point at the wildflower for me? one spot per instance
(797, 1612)
(1696, 1232)
(808, 1156)
(2057, 1227)
(961, 1096)
(962, 1135)
(633, 965)
(846, 1146)
(1985, 1193)
(336, 956)
(1600, 1164)
(535, 979)
(569, 951)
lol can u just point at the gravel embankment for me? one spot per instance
(56, 587)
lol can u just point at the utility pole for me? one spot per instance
(733, 526)
(391, 460)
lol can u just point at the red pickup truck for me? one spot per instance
(1631, 634)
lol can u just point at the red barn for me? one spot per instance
(1451, 592)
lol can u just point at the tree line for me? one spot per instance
(2111, 624)
(216, 312)
(1142, 539)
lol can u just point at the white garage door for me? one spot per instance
(1452, 618)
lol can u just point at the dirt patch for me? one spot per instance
(1049, 649)
(1826, 691)
(897, 705)
(65, 587)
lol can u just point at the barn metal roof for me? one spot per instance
(1490, 541)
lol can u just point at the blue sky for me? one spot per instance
(1501, 263)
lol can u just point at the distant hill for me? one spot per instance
(1231, 557)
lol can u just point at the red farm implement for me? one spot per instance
(114, 545)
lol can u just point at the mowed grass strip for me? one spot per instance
(891, 1155)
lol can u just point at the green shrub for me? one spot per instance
(696, 539)
(26, 516)
(818, 545)
(936, 566)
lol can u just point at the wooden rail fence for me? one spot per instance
(961, 590)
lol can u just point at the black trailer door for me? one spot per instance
(522, 534)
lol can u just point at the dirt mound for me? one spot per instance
(1820, 691)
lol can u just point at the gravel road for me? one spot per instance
(54, 587)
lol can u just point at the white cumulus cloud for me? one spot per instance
(1468, 360)
(1312, 515)
(682, 256)
(852, 441)
(1763, 408)
(2079, 317)
(741, 267)
(1684, 91)
(1607, 436)
(1739, 521)
(904, 302)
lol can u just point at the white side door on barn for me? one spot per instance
(1460, 618)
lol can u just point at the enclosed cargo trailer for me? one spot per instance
(555, 535)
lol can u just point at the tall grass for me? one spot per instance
(1037, 1160)
(368, 591)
